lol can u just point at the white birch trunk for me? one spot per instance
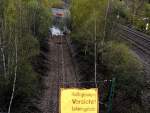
(16, 63)
(2, 48)
(15, 77)
(4, 61)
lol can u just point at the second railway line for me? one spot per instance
(138, 39)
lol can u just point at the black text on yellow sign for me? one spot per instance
(79, 100)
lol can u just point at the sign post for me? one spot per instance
(79, 100)
(110, 100)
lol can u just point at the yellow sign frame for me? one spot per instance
(82, 104)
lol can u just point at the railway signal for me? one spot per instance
(147, 26)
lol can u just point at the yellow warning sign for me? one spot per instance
(79, 100)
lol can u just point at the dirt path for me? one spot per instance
(61, 70)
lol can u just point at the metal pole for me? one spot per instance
(95, 51)
(111, 94)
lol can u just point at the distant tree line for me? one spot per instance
(134, 13)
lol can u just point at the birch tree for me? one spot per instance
(19, 43)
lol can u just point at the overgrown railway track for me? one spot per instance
(61, 71)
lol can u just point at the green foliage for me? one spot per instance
(23, 24)
(43, 22)
(113, 59)
(123, 59)
(26, 83)
(27, 52)
(120, 9)
(147, 9)
(142, 18)
(121, 64)
(133, 12)
(56, 3)
(84, 16)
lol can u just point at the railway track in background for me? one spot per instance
(136, 38)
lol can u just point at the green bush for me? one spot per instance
(42, 22)
(127, 70)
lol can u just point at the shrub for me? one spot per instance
(125, 67)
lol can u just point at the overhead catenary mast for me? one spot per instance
(95, 49)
